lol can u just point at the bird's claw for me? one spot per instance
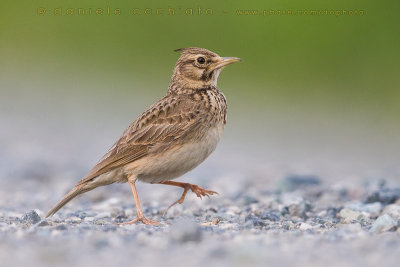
(142, 219)
(200, 193)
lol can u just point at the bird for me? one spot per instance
(170, 138)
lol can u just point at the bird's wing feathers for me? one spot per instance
(163, 123)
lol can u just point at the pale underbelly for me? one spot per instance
(175, 161)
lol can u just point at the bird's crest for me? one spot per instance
(195, 50)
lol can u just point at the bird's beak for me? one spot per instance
(222, 62)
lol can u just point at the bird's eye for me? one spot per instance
(201, 60)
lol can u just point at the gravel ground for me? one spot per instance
(300, 221)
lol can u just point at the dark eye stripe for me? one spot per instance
(189, 61)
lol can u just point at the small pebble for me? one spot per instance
(31, 217)
(270, 215)
(305, 226)
(254, 221)
(372, 209)
(349, 215)
(89, 219)
(383, 223)
(73, 219)
(393, 210)
(384, 196)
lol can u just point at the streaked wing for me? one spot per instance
(163, 124)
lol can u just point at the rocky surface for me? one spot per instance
(300, 221)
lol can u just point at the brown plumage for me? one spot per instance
(171, 137)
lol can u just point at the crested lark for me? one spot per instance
(171, 137)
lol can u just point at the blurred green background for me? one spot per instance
(313, 92)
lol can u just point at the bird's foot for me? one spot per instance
(142, 219)
(200, 192)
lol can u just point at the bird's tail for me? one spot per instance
(77, 190)
(85, 185)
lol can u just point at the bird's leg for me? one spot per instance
(140, 216)
(200, 192)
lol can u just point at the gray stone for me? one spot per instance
(383, 223)
(89, 219)
(393, 210)
(373, 209)
(273, 216)
(219, 216)
(349, 215)
(385, 196)
(81, 214)
(299, 210)
(254, 221)
(120, 218)
(31, 217)
(287, 225)
(305, 227)
(73, 219)
(332, 212)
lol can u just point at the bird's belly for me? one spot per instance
(177, 160)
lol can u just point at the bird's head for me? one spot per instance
(198, 68)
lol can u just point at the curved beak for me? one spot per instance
(222, 62)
